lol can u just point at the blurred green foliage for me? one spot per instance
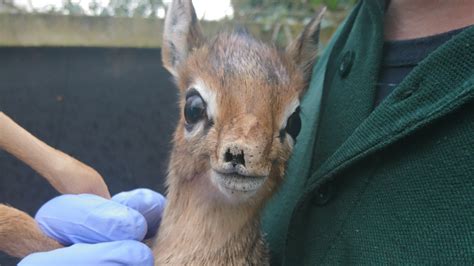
(128, 8)
(278, 19)
(121, 8)
(284, 18)
(296, 9)
(261, 10)
(9, 6)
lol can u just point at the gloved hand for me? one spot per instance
(99, 231)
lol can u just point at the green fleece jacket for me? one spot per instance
(390, 185)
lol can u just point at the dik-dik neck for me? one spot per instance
(200, 227)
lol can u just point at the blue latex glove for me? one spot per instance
(100, 231)
(149, 203)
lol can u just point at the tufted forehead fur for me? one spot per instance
(238, 54)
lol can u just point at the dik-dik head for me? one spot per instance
(239, 102)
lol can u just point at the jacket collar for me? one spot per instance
(439, 85)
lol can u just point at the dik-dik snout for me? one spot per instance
(243, 148)
(242, 162)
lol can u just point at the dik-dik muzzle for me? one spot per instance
(242, 162)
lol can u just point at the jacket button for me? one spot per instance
(346, 63)
(324, 194)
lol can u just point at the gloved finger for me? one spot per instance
(146, 201)
(126, 252)
(89, 218)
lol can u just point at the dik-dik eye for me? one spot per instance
(195, 108)
(293, 125)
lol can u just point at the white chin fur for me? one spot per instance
(236, 187)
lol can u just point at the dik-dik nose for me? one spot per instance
(242, 149)
(243, 158)
(234, 156)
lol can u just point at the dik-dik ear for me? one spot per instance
(182, 34)
(304, 49)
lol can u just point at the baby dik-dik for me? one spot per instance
(240, 117)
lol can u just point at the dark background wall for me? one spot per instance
(112, 108)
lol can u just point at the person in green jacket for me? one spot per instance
(383, 168)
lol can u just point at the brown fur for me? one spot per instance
(252, 85)
(20, 235)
